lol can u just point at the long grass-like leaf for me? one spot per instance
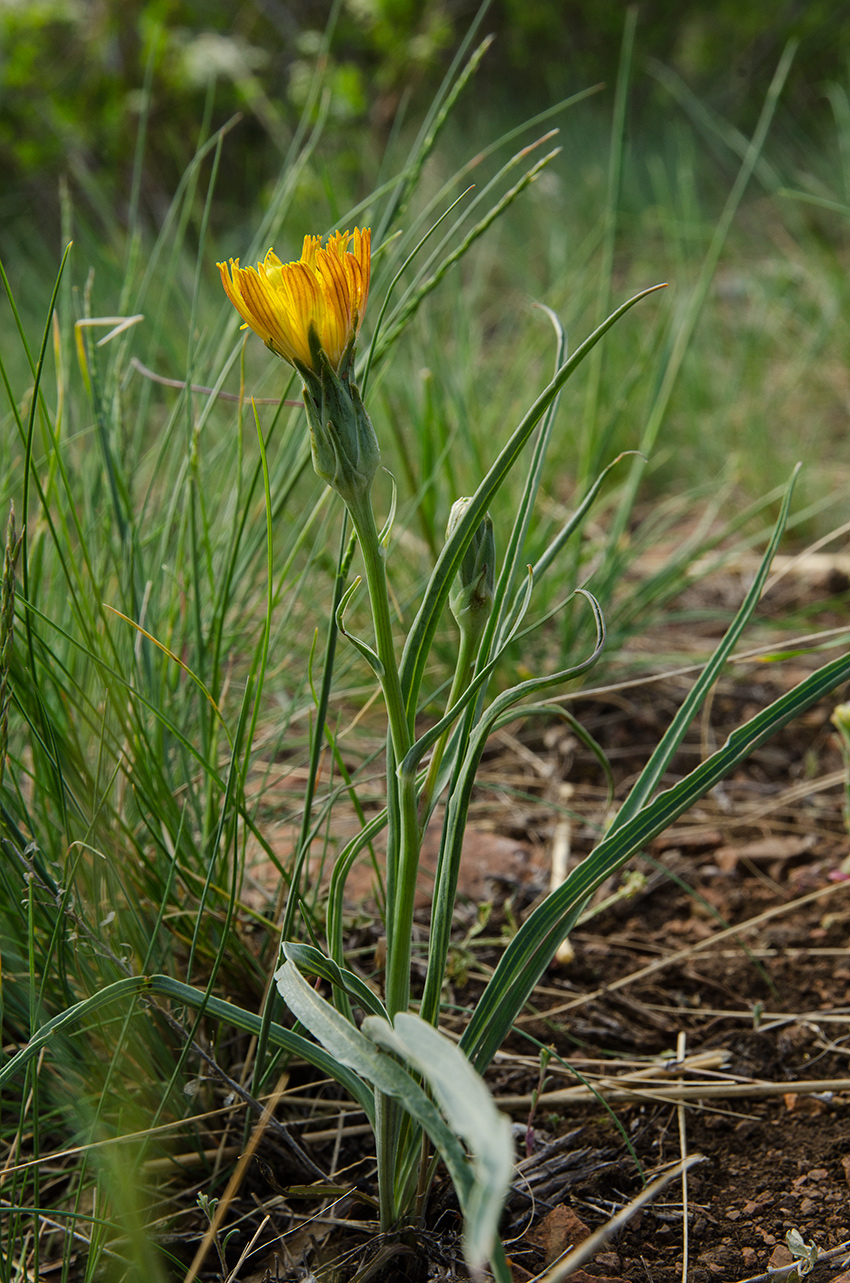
(424, 626)
(406, 310)
(532, 948)
(454, 825)
(651, 774)
(132, 987)
(681, 340)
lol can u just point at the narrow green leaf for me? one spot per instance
(670, 741)
(454, 824)
(132, 987)
(532, 948)
(425, 741)
(365, 650)
(424, 625)
(309, 959)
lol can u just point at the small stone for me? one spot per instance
(560, 1230)
(608, 1260)
(733, 1215)
(818, 1174)
(780, 1256)
(807, 1206)
(750, 1257)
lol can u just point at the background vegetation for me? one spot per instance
(76, 79)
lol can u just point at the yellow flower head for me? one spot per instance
(325, 292)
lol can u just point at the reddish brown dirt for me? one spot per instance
(770, 1164)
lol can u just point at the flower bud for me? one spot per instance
(471, 594)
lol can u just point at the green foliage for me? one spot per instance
(79, 81)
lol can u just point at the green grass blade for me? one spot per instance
(132, 987)
(670, 741)
(407, 309)
(589, 459)
(501, 619)
(532, 948)
(685, 331)
(424, 625)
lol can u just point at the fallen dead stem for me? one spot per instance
(709, 1090)
(236, 1179)
(836, 637)
(243, 398)
(682, 954)
(773, 1019)
(56, 1156)
(683, 1152)
(747, 815)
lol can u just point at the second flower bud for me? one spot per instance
(471, 594)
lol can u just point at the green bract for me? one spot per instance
(345, 449)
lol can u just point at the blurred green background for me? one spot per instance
(73, 75)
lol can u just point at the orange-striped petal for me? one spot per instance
(326, 290)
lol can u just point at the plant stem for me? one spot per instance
(402, 866)
(467, 649)
(386, 1131)
(374, 560)
(404, 862)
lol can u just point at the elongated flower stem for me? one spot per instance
(386, 1130)
(463, 671)
(400, 910)
(374, 559)
(406, 860)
